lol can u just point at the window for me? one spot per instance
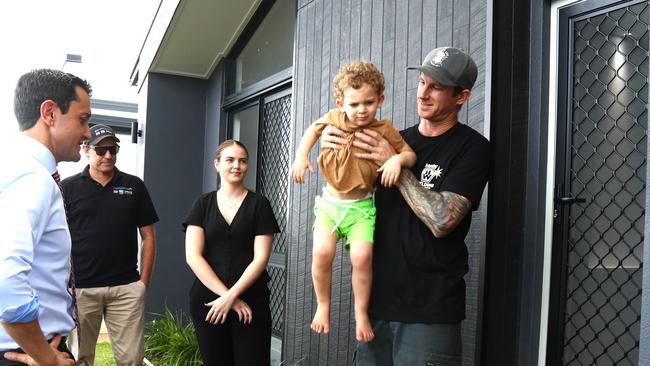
(270, 49)
(245, 129)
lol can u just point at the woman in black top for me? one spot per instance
(227, 245)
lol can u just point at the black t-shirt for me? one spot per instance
(418, 278)
(104, 224)
(229, 249)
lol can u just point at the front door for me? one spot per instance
(263, 124)
(273, 183)
(600, 180)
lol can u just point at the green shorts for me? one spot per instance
(353, 220)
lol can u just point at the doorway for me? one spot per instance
(263, 126)
(600, 192)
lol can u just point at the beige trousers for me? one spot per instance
(122, 308)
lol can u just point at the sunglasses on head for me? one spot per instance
(101, 150)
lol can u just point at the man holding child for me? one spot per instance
(420, 257)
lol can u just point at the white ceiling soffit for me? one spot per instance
(200, 33)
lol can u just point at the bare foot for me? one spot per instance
(364, 329)
(321, 322)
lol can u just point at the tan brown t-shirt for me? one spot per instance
(344, 171)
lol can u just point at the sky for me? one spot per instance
(39, 33)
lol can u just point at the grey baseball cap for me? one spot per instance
(449, 66)
(99, 133)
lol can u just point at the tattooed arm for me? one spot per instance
(440, 211)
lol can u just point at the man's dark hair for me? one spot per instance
(37, 86)
(457, 90)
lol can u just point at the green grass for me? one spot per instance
(104, 355)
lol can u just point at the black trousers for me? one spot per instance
(233, 342)
(63, 347)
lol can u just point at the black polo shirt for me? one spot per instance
(104, 224)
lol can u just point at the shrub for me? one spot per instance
(171, 341)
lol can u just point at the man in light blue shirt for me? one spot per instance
(36, 306)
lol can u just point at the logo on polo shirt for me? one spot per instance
(123, 191)
(429, 173)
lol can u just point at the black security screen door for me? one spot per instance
(262, 123)
(600, 184)
(273, 183)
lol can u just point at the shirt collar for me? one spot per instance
(37, 150)
(116, 174)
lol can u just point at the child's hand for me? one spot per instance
(390, 171)
(300, 165)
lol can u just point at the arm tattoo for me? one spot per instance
(439, 211)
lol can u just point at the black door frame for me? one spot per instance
(514, 255)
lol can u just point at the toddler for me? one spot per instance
(345, 208)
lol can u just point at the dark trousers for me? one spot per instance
(4, 362)
(233, 342)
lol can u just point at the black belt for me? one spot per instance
(63, 347)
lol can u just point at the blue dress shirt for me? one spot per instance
(34, 242)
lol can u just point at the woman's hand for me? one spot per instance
(219, 309)
(243, 311)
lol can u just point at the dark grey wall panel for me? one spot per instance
(215, 126)
(414, 57)
(398, 64)
(376, 33)
(387, 60)
(393, 34)
(470, 33)
(173, 173)
(365, 42)
(294, 344)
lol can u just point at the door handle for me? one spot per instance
(569, 200)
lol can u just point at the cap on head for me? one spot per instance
(449, 66)
(99, 133)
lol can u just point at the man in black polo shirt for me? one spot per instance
(106, 208)
(420, 257)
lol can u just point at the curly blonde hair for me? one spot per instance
(355, 74)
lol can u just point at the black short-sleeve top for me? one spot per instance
(418, 278)
(229, 249)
